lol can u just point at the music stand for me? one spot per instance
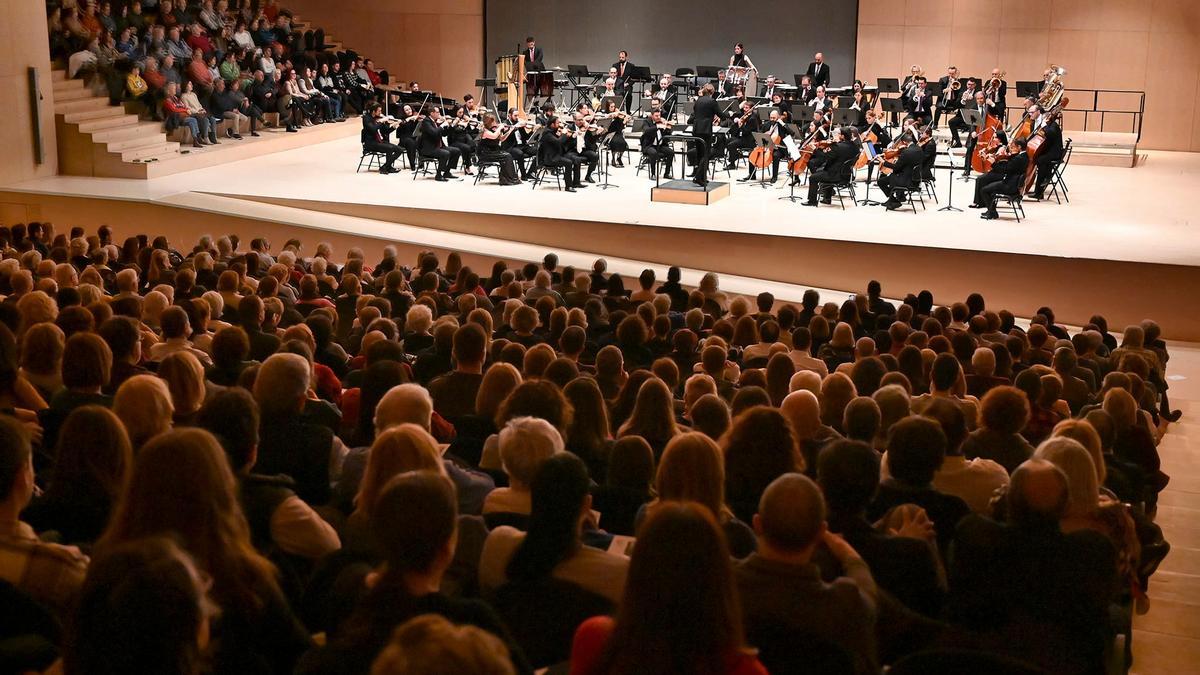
(707, 71)
(762, 141)
(607, 159)
(807, 113)
(1028, 89)
(934, 89)
(638, 74)
(764, 114)
(845, 101)
(888, 85)
(616, 100)
(484, 85)
(686, 108)
(894, 106)
(844, 117)
(972, 118)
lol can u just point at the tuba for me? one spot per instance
(1051, 95)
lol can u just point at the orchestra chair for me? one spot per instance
(540, 173)
(481, 168)
(371, 158)
(1058, 186)
(843, 187)
(1013, 201)
(912, 195)
(930, 189)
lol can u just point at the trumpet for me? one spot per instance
(955, 85)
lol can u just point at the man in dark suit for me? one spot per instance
(704, 114)
(533, 55)
(741, 132)
(250, 314)
(553, 151)
(624, 69)
(981, 106)
(1051, 151)
(655, 147)
(374, 138)
(1006, 177)
(433, 144)
(517, 144)
(818, 71)
(904, 173)
(807, 90)
(838, 167)
(920, 103)
(948, 101)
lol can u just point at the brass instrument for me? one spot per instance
(955, 85)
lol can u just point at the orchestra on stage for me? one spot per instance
(572, 131)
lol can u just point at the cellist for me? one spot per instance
(981, 106)
(1049, 152)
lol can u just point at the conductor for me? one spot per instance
(705, 113)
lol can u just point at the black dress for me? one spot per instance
(489, 149)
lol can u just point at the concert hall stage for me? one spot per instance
(1125, 246)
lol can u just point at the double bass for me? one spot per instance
(985, 136)
(1034, 146)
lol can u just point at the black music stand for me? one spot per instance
(934, 89)
(887, 85)
(845, 101)
(484, 86)
(844, 117)
(972, 118)
(606, 158)
(1028, 89)
(894, 106)
(949, 197)
(762, 141)
(686, 108)
(638, 74)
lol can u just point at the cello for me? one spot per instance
(985, 134)
(1034, 146)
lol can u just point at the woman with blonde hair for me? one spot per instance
(1090, 509)
(653, 416)
(402, 448)
(837, 391)
(840, 348)
(692, 469)
(184, 377)
(182, 487)
(143, 404)
(35, 307)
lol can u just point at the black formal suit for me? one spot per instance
(839, 166)
(656, 150)
(433, 144)
(781, 152)
(806, 94)
(622, 76)
(948, 101)
(818, 73)
(905, 172)
(588, 154)
(374, 139)
(1006, 177)
(1049, 154)
(533, 60)
(958, 125)
(703, 113)
(552, 151)
(295, 447)
(920, 106)
(741, 136)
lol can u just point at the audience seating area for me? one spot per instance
(114, 68)
(216, 456)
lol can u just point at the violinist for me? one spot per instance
(462, 136)
(949, 101)
(838, 166)
(545, 113)
(655, 147)
(741, 133)
(375, 134)
(1006, 177)
(616, 126)
(981, 105)
(491, 136)
(553, 152)
(406, 132)
(1051, 151)
(585, 146)
(929, 147)
(432, 143)
(785, 143)
(516, 143)
(905, 171)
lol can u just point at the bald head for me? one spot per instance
(791, 513)
(983, 362)
(806, 380)
(803, 411)
(1038, 493)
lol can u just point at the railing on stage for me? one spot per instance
(1101, 110)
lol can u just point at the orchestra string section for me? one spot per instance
(574, 126)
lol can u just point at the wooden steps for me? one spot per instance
(156, 149)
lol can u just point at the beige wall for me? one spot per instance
(439, 43)
(24, 43)
(1150, 45)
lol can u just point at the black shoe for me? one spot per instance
(966, 174)
(827, 201)
(892, 206)
(292, 130)
(973, 205)
(590, 179)
(580, 186)
(255, 134)
(1172, 416)
(989, 216)
(1037, 197)
(807, 203)
(745, 179)
(569, 189)
(387, 170)
(229, 133)
(441, 179)
(956, 144)
(701, 183)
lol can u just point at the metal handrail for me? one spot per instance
(1075, 96)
